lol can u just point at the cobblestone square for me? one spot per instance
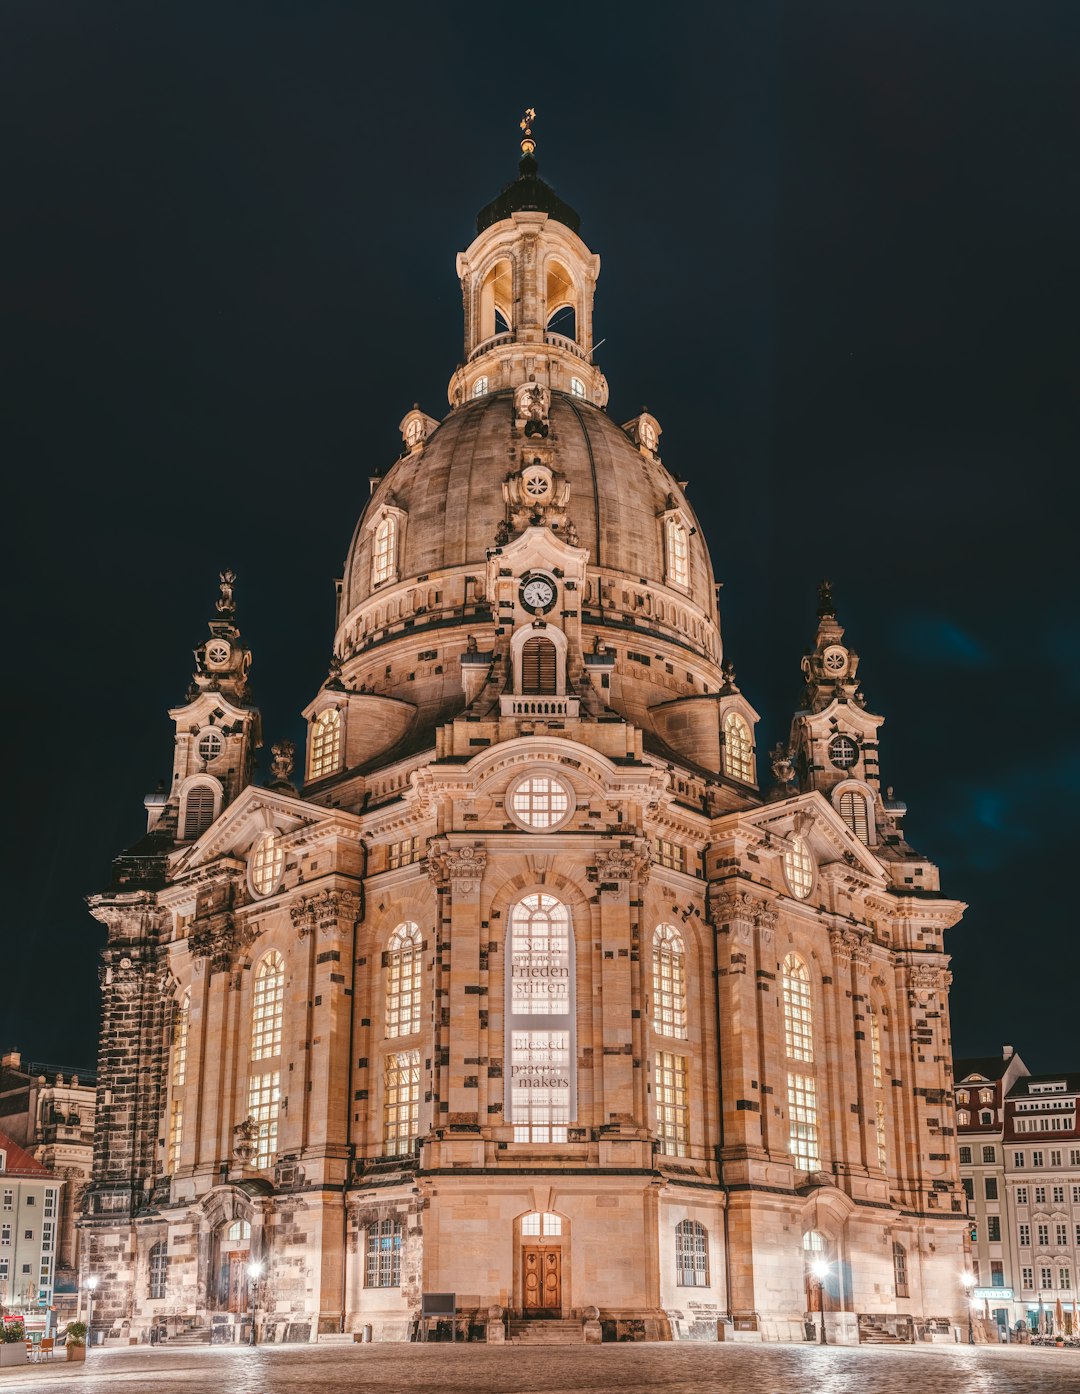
(618, 1369)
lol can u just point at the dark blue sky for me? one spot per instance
(839, 264)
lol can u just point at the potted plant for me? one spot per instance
(12, 1342)
(76, 1340)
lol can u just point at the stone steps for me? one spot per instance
(196, 1336)
(554, 1332)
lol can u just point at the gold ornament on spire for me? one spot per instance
(528, 145)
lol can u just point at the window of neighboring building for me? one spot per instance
(1043, 1234)
(990, 1187)
(798, 1009)
(158, 1270)
(1018, 1159)
(383, 551)
(799, 868)
(669, 981)
(1036, 1159)
(401, 1102)
(803, 1123)
(1059, 1195)
(268, 1005)
(5, 1234)
(1061, 1235)
(198, 811)
(1044, 1278)
(1027, 1278)
(678, 553)
(900, 1272)
(997, 1273)
(382, 1268)
(852, 808)
(1064, 1278)
(264, 1100)
(267, 863)
(669, 1083)
(1040, 1195)
(738, 749)
(986, 1119)
(965, 1156)
(1055, 1159)
(1023, 1235)
(969, 1187)
(993, 1228)
(403, 977)
(9, 1199)
(540, 802)
(691, 1254)
(1021, 1195)
(963, 1118)
(537, 1222)
(989, 1154)
(325, 743)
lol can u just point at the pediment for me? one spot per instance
(832, 842)
(539, 547)
(253, 813)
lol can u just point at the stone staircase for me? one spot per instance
(193, 1336)
(552, 1332)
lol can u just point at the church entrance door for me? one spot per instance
(542, 1281)
(236, 1280)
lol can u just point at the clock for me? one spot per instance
(648, 435)
(537, 593)
(217, 653)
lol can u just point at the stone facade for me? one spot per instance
(534, 994)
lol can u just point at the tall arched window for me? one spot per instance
(798, 1009)
(900, 1277)
(738, 749)
(539, 1019)
(403, 968)
(539, 667)
(198, 811)
(852, 806)
(799, 867)
(669, 981)
(157, 1268)
(266, 863)
(325, 743)
(180, 1040)
(267, 1008)
(799, 1046)
(382, 554)
(691, 1254)
(678, 553)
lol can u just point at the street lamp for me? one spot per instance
(255, 1271)
(968, 1280)
(820, 1270)
(91, 1288)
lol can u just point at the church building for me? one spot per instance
(537, 985)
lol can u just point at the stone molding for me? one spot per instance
(324, 912)
(460, 868)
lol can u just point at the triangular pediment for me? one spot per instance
(813, 818)
(257, 811)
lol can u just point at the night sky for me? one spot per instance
(839, 263)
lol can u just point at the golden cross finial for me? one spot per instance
(528, 145)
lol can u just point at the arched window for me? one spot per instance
(691, 1254)
(496, 301)
(798, 1009)
(543, 1223)
(267, 1008)
(325, 743)
(382, 554)
(678, 553)
(539, 1019)
(900, 1278)
(403, 968)
(738, 749)
(210, 746)
(669, 982)
(539, 667)
(852, 807)
(198, 811)
(577, 387)
(480, 387)
(875, 1049)
(267, 863)
(799, 868)
(382, 1267)
(158, 1268)
(180, 1040)
(816, 1250)
(963, 1118)
(238, 1231)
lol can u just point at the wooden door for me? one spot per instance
(542, 1281)
(238, 1283)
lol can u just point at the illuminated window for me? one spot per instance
(480, 387)
(577, 387)
(799, 868)
(900, 1278)
(264, 1098)
(382, 1268)
(678, 553)
(540, 957)
(325, 743)
(669, 982)
(403, 969)
(668, 854)
(798, 1009)
(875, 1048)
(540, 802)
(401, 1102)
(803, 1123)
(539, 668)
(853, 811)
(691, 1254)
(672, 1125)
(540, 1085)
(158, 1268)
(880, 1134)
(267, 1007)
(210, 746)
(267, 864)
(238, 1231)
(738, 749)
(963, 1118)
(176, 1134)
(382, 556)
(539, 988)
(537, 1223)
(403, 853)
(180, 1040)
(198, 811)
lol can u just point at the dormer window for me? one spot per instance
(577, 387)
(738, 749)
(480, 387)
(382, 556)
(325, 743)
(199, 804)
(852, 808)
(677, 553)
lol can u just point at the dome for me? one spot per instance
(527, 194)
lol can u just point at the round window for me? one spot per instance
(799, 868)
(835, 660)
(843, 752)
(266, 865)
(537, 483)
(540, 802)
(210, 746)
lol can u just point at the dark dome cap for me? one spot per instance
(527, 194)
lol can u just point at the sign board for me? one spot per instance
(438, 1304)
(992, 1294)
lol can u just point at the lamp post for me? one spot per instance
(820, 1270)
(968, 1280)
(91, 1287)
(255, 1271)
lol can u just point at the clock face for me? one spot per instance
(835, 661)
(217, 653)
(537, 593)
(648, 435)
(413, 431)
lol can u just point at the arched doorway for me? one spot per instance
(232, 1246)
(543, 1241)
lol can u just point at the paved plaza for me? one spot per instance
(617, 1369)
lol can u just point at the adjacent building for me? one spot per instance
(29, 1229)
(546, 988)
